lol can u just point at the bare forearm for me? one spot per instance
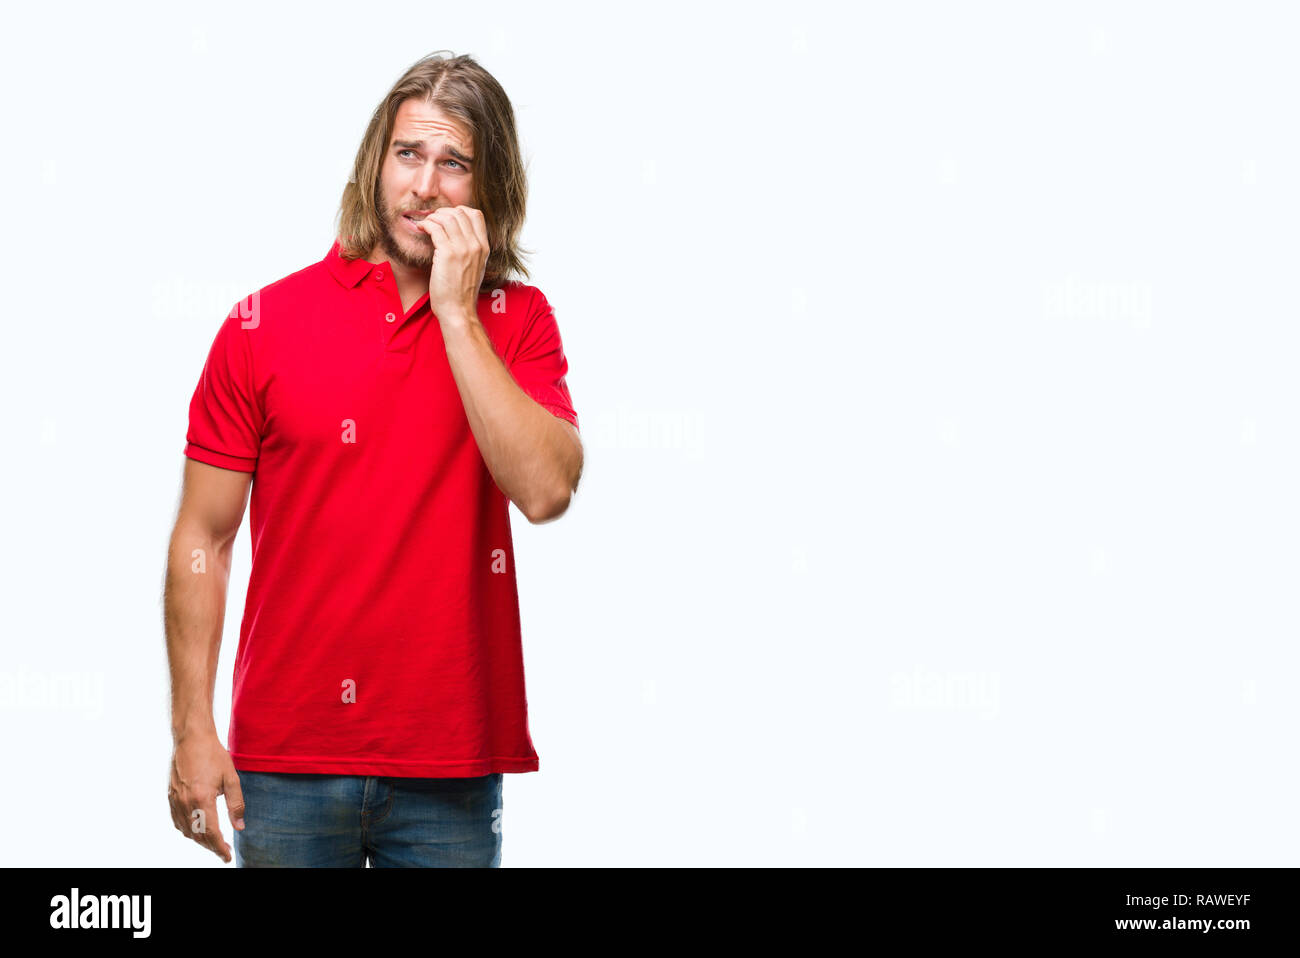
(194, 604)
(533, 456)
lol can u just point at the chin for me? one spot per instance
(409, 252)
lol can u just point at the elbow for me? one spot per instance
(553, 500)
(548, 508)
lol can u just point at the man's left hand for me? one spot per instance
(460, 254)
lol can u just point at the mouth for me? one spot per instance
(412, 218)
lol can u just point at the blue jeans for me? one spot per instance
(299, 820)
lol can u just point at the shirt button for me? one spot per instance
(390, 317)
(379, 276)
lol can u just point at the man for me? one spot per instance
(385, 404)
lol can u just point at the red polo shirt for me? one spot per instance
(381, 631)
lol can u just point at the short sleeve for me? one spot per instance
(539, 365)
(225, 426)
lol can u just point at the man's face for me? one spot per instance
(429, 165)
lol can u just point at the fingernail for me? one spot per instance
(239, 823)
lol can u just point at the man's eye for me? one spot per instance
(459, 165)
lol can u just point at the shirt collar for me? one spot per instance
(348, 272)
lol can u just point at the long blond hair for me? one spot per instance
(460, 87)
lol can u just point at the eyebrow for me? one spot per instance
(421, 144)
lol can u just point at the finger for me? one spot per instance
(210, 834)
(234, 793)
(479, 225)
(473, 231)
(176, 810)
(436, 232)
(180, 809)
(450, 218)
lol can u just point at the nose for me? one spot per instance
(426, 186)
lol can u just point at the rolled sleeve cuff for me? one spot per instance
(568, 415)
(240, 463)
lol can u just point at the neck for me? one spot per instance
(412, 281)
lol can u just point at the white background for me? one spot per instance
(936, 370)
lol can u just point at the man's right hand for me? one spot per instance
(201, 770)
